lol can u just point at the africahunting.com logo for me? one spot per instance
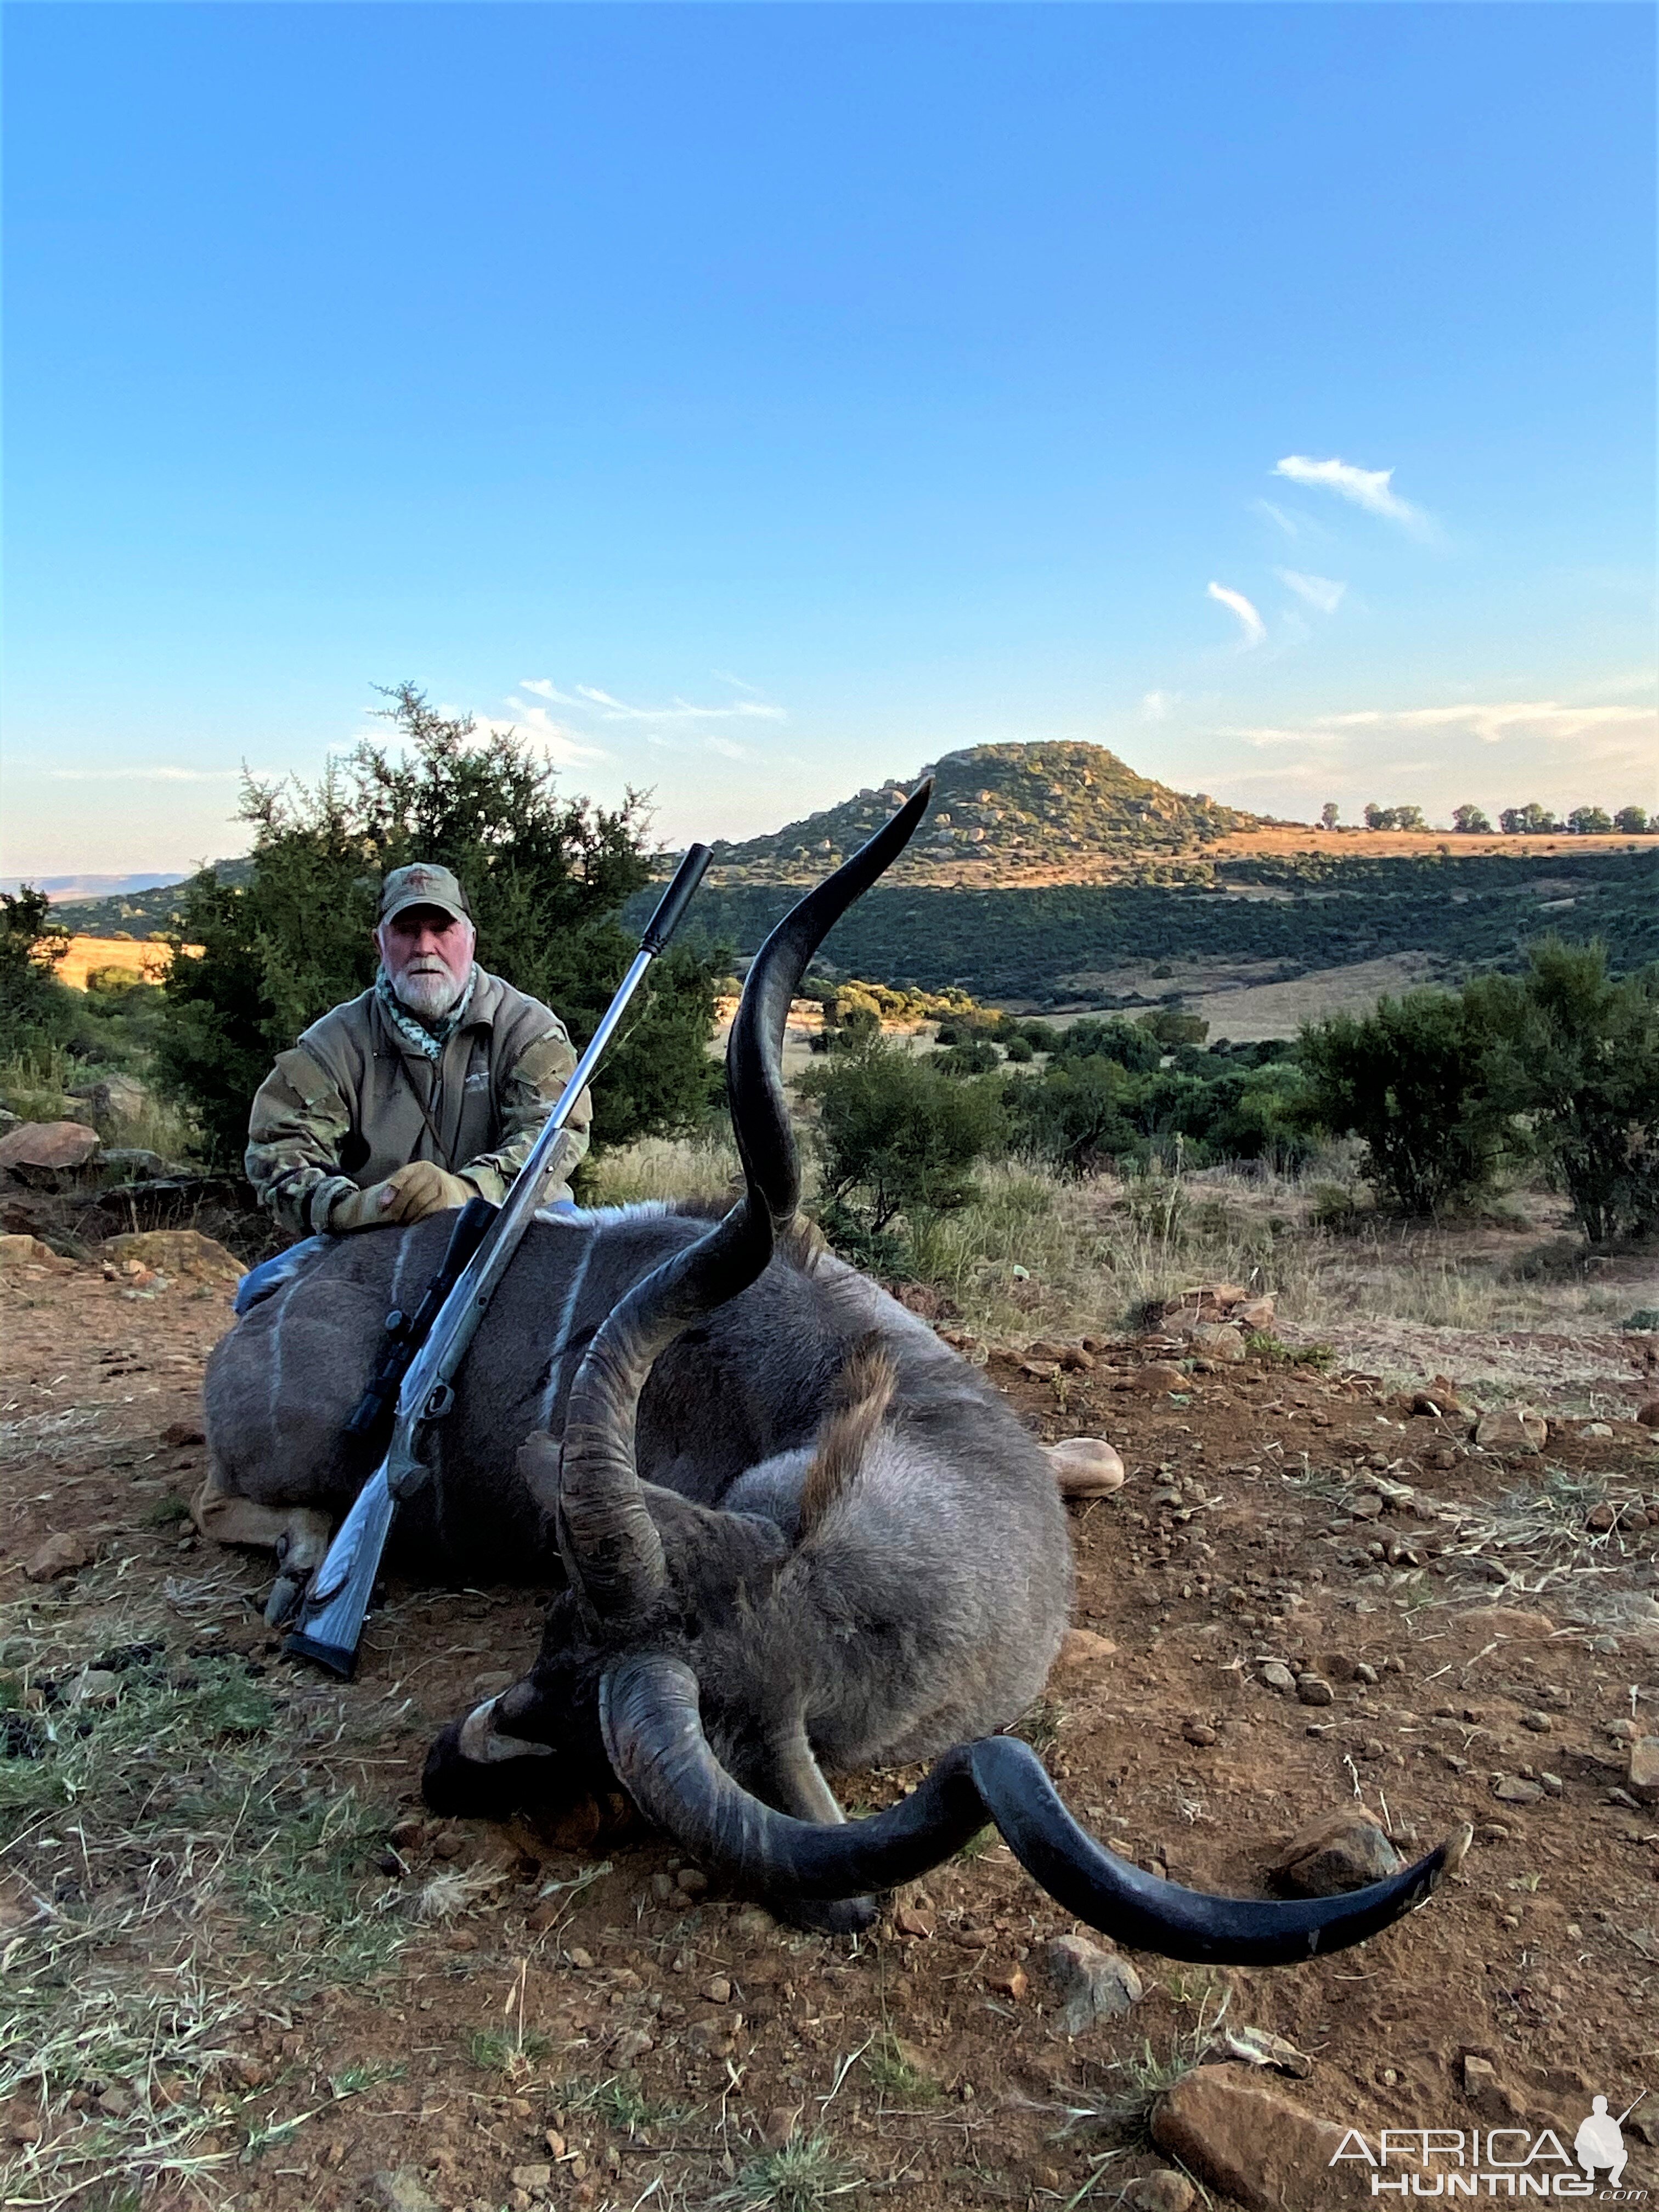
(1497, 2162)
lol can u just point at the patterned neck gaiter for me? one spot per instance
(428, 1038)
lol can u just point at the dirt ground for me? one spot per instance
(221, 1989)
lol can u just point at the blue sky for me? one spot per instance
(754, 402)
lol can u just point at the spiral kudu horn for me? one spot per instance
(610, 1545)
(649, 1714)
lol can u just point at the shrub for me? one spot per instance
(896, 1137)
(1408, 1080)
(36, 1011)
(1129, 1044)
(1071, 1115)
(977, 1056)
(1576, 1054)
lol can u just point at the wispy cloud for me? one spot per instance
(609, 709)
(1291, 525)
(1493, 724)
(1236, 603)
(1156, 706)
(564, 747)
(725, 676)
(1321, 591)
(143, 774)
(1371, 488)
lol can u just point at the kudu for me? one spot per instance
(791, 1530)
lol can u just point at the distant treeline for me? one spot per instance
(1470, 911)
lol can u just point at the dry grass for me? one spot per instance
(1035, 1255)
(168, 1848)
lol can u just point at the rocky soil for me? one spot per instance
(1308, 1599)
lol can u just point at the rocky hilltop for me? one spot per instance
(1033, 813)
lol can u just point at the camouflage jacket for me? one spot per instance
(353, 1101)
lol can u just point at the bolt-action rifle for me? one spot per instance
(422, 1355)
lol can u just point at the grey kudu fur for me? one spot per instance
(845, 1551)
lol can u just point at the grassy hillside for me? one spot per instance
(1031, 943)
(1004, 811)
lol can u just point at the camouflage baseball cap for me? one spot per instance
(422, 884)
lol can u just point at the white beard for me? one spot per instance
(427, 993)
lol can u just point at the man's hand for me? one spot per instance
(411, 1194)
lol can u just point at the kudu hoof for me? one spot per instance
(283, 1602)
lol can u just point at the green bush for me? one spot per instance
(1129, 1043)
(1072, 1114)
(1575, 1056)
(1408, 1079)
(977, 1056)
(547, 878)
(895, 1137)
(36, 1011)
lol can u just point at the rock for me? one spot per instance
(116, 1098)
(1086, 1467)
(1256, 1315)
(1514, 1429)
(538, 2176)
(1040, 1371)
(41, 1148)
(1246, 2140)
(1314, 1689)
(177, 1434)
(1277, 1676)
(1512, 1789)
(94, 1686)
(778, 2126)
(1346, 1850)
(718, 1990)
(691, 1881)
(1199, 1733)
(181, 1253)
(1157, 1376)
(1478, 2074)
(1596, 1428)
(401, 2191)
(135, 1163)
(1162, 2190)
(1644, 1769)
(30, 1252)
(1077, 1359)
(62, 1554)
(1011, 1980)
(1486, 1620)
(1096, 1985)
(633, 2042)
(1218, 1341)
(1082, 1647)
(1648, 1415)
(910, 1921)
(1368, 1506)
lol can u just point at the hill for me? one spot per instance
(1060, 946)
(1002, 814)
(60, 889)
(136, 914)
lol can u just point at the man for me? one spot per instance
(426, 1090)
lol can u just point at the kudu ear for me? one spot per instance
(863, 1392)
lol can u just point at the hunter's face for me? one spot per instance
(427, 956)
